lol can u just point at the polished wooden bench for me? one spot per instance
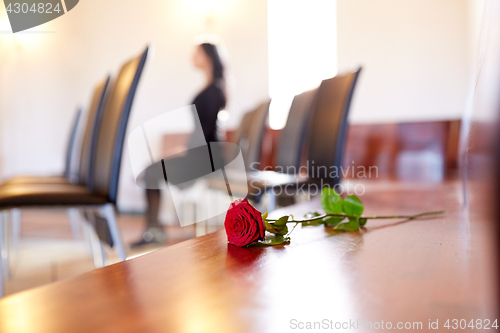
(393, 271)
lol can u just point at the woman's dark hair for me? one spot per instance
(217, 66)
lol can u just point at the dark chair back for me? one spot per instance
(240, 136)
(242, 132)
(328, 128)
(293, 135)
(70, 148)
(89, 140)
(249, 135)
(106, 171)
(257, 120)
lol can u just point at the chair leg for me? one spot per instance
(271, 203)
(16, 229)
(198, 209)
(87, 239)
(4, 246)
(2, 290)
(74, 219)
(108, 212)
(201, 228)
(185, 210)
(97, 249)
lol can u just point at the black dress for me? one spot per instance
(208, 104)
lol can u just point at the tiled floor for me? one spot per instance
(48, 251)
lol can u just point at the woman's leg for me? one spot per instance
(153, 200)
(153, 232)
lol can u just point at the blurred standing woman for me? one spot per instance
(208, 103)
(212, 98)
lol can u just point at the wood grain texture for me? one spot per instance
(397, 271)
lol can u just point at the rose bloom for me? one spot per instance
(244, 224)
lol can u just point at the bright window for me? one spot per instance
(302, 50)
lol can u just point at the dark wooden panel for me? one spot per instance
(407, 151)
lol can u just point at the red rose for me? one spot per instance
(244, 224)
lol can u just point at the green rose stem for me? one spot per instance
(408, 217)
(336, 210)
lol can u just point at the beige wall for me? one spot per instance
(45, 76)
(415, 55)
(476, 12)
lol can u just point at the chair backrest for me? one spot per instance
(70, 148)
(242, 132)
(251, 138)
(328, 127)
(240, 136)
(293, 135)
(89, 140)
(106, 171)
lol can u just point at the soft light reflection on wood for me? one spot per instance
(392, 271)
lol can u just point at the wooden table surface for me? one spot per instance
(393, 271)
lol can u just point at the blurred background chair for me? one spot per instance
(293, 135)
(326, 137)
(250, 133)
(68, 160)
(327, 133)
(249, 137)
(98, 197)
(290, 148)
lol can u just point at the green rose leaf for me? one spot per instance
(353, 206)
(271, 240)
(311, 215)
(267, 224)
(312, 223)
(352, 225)
(278, 227)
(282, 220)
(331, 202)
(362, 221)
(264, 216)
(332, 220)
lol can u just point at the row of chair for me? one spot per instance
(96, 191)
(315, 132)
(313, 137)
